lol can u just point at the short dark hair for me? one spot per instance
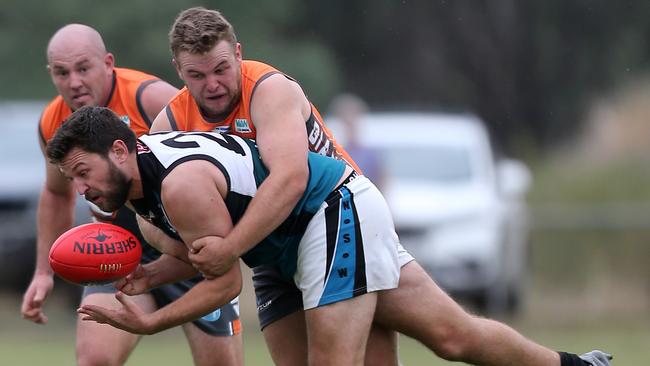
(92, 129)
(197, 30)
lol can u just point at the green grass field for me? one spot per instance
(589, 290)
(23, 343)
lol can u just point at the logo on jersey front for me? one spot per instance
(142, 148)
(222, 129)
(126, 120)
(241, 125)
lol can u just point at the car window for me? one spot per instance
(439, 164)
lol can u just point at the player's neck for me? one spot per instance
(135, 190)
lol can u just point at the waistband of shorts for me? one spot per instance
(348, 179)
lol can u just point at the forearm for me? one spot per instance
(55, 216)
(201, 299)
(273, 202)
(167, 269)
(161, 241)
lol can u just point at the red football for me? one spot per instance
(95, 253)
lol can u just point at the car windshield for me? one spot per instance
(439, 164)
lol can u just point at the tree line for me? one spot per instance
(528, 68)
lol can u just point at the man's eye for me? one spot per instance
(222, 69)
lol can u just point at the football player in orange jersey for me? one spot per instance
(84, 73)
(228, 94)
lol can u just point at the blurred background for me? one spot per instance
(539, 213)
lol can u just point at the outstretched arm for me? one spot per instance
(55, 215)
(203, 185)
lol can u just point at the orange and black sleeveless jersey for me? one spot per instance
(124, 100)
(184, 114)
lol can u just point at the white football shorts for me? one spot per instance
(349, 247)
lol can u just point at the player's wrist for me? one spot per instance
(40, 272)
(235, 245)
(151, 324)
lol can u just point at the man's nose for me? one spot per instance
(81, 187)
(75, 80)
(213, 83)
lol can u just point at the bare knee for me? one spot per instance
(453, 341)
(381, 349)
(97, 356)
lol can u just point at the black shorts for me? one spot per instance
(222, 322)
(276, 296)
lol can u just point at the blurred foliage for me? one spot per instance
(136, 32)
(528, 69)
(581, 182)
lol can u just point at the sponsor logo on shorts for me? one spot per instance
(263, 306)
(213, 316)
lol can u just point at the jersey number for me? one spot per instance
(228, 142)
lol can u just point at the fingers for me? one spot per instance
(196, 246)
(39, 297)
(128, 305)
(41, 318)
(35, 315)
(121, 283)
(121, 297)
(94, 313)
(89, 314)
(28, 303)
(31, 307)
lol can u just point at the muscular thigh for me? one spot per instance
(331, 338)
(208, 349)
(418, 307)
(286, 339)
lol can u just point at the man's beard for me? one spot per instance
(117, 195)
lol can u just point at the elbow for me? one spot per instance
(235, 289)
(296, 182)
(230, 292)
(234, 282)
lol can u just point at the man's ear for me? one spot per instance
(119, 151)
(238, 54)
(178, 69)
(109, 61)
